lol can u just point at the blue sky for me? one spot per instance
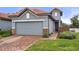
(68, 12)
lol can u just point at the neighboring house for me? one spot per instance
(35, 21)
(5, 22)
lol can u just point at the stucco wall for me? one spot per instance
(32, 17)
(5, 25)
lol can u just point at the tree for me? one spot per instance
(75, 22)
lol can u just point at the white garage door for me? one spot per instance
(29, 28)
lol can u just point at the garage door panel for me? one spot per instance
(29, 28)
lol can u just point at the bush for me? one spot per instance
(45, 34)
(67, 35)
(5, 33)
(2, 32)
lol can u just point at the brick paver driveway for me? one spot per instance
(18, 43)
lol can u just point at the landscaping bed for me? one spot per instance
(67, 35)
(60, 44)
(5, 33)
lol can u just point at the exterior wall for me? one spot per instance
(32, 17)
(51, 26)
(5, 25)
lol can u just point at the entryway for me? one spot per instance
(56, 26)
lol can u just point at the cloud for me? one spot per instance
(72, 12)
(66, 20)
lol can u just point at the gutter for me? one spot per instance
(28, 20)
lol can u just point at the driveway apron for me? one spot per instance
(18, 43)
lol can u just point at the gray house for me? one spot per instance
(5, 22)
(35, 22)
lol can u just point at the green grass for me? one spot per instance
(56, 45)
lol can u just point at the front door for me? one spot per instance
(56, 26)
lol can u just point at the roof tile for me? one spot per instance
(36, 11)
(4, 16)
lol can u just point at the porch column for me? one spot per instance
(13, 27)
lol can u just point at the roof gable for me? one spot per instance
(56, 9)
(35, 11)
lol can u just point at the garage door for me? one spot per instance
(29, 28)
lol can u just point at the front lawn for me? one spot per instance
(57, 45)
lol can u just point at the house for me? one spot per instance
(35, 22)
(5, 22)
(31, 21)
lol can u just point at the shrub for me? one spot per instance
(2, 32)
(5, 33)
(45, 34)
(67, 35)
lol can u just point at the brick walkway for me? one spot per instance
(18, 43)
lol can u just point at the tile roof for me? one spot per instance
(4, 16)
(36, 11)
(39, 12)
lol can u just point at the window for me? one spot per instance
(55, 13)
(27, 15)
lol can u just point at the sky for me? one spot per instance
(68, 12)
